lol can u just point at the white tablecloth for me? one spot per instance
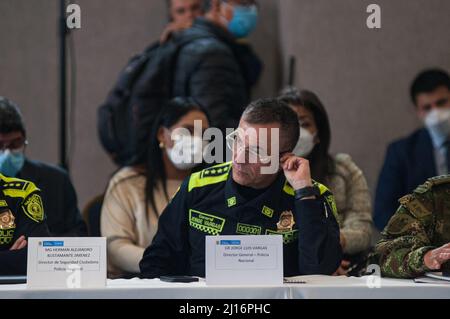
(317, 287)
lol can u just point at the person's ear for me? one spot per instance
(161, 136)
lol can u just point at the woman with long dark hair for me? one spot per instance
(338, 172)
(138, 194)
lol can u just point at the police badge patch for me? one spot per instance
(7, 220)
(33, 208)
(286, 222)
(7, 227)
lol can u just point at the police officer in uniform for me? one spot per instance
(21, 216)
(417, 238)
(241, 198)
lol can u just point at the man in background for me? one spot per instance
(215, 69)
(63, 217)
(425, 153)
(181, 15)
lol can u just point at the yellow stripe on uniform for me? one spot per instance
(210, 176)
(14, 187)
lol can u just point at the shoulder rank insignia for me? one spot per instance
(422, 189)
(19, 185)
(439, 180)
(415, 206)
(215, 171)
(209, 176)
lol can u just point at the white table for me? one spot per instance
(320, 287)
(317, 287)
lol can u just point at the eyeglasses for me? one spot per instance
(16, 146)
(236, 143)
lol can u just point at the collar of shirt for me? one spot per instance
(265, 201)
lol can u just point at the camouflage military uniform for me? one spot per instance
(421, 224)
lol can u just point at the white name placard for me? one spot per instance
(244, 260)
(66, 263)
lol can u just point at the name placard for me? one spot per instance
(66, 263)
(244, 260)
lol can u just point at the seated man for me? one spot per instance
(425, 153)
(63, 217)
(417, 238)
(243, 198)
(21, 216)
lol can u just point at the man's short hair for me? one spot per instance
(10, 117)
(428, 81)
(207, 3)
(272, 110)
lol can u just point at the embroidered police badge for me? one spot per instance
(286, 222)
(33, 208)
(7, 220)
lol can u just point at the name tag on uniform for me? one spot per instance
(69, 263)
(244, 260)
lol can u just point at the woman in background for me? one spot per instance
(338, 172)
(138, 194)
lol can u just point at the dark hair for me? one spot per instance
(322, 164)
(150, 154)
(169, 7)
(10, 117)
(169, 13)
(428, 81)
(207, 3)
(265, 111)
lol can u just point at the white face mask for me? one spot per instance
(438, 124)
(187, 152)
(305, 144)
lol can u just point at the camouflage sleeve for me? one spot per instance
(407, 238)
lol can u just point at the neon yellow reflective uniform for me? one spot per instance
(211, 203)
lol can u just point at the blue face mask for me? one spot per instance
(244, 21)
(11, 163)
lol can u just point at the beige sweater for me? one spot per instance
(124, 222)
(353, 202)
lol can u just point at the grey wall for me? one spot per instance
(362, 75)
(112, 31)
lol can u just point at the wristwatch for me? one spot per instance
(307, 192)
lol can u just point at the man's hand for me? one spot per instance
(434, 259)
(172, 28)
(343, 269)
(20, 243)
(297, 171)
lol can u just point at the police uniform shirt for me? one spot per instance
(21, 214)
(211, 203)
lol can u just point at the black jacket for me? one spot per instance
(215, 71)
(60, 200)
(409, 162)
(211, 203)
